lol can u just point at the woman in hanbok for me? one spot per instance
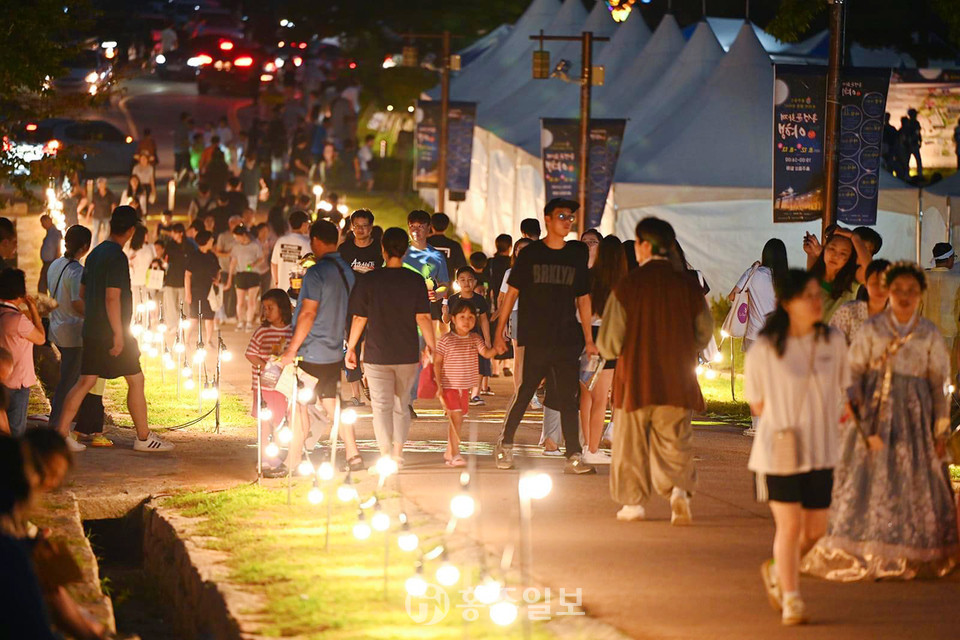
(894, 513)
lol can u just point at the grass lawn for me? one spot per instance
(720, 404)
(389, 208)
(163, 408)
(277, 551)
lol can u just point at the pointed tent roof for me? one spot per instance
(722, 136)
(627, 43)
(475, 50)
(503, 78)
(508, 116)
(681, 81)
(538, 15)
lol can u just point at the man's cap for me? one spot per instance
(560, 203)
(942, 251)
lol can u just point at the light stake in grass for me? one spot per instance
(532, 485)
(362, 530)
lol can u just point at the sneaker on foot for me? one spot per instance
(486, 392)
(631, 512)
(794, 611)
(503, 454)
(152, 444)
(597, 458)
(100, 440)
(750, 431)
(680, 508)
(535, 403)
(477, 401)
(768, 571)
(507, 373)
(75, 446)
(279, 471)
(553, 453)
(577, 465)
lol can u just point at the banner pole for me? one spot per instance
(586, 82)
(949, 220)
(832, 121)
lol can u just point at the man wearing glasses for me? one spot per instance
(552, 282)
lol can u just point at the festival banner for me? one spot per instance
(863, 100)
(560, 151)
(799, 102)
(460, 120)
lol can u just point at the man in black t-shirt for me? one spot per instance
(109, 348)
(497, 266)
(202, 271)
(390, 304)
(552, 282)
(176, 250)
(364, 255)
(449, 247)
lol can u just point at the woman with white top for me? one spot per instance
(796, 374)
(511, 315)
(762, 301)
(140, 253)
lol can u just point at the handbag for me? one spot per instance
(427, 384)
(735, 324)
(155, 277)
(785, 449)
(215, 298)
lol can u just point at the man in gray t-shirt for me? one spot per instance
(223, 247)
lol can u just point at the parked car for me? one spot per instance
(176, 65)
(233, 67)
(100, 147)
(86, 72)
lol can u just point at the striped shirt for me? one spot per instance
(460, 368)
(267, 342)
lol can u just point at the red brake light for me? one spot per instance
(226, 45)
(353, 65)
(270, 67)
(243, 61)
(31, 127)
(204, 59)
(51, 147)
(303, 45)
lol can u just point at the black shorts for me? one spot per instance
(97, 361)
(811, 489)
(327, 375)
(246, 280)
(204, 306)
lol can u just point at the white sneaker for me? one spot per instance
(597, 458)
(535, 403)
(75, 446)
(631, 512)
(680, 508)
(153, 444)
(794, 611)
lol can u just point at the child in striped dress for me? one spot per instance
(270, 340)
(456, 370)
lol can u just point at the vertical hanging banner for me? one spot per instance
(560, 151)
(460, 120)
(799, 104)
(863, 100)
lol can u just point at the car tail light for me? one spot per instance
(31, 127)
(243, 61)
(303, 45)
(270, 67)
(199, 61)
(297, 61)
(226, 45)
(266, 77)
(51, 148)
(353, 65)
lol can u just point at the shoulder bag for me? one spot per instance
(735, 324)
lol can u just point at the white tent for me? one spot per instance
(500, 80)
(469, 83)
(512, 117)
(476, 49)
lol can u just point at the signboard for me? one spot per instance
(935, 94)
(560, 150)
(460, 120)
(863, 99)
(799, 99)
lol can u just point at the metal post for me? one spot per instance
(832, 116)
(919, 221)
(260, 429)
(586, 80)
(216, 383)
(444, 122)
(733, 371)
(526, 551)
(200, 363)
(295, 408)
(949, 221)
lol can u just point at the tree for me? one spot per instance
(38, 37)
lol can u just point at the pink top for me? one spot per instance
(14, 327)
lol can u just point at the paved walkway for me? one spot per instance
(648, 579)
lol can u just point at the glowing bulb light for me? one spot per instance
(265, 413)
(161, 328)
(718, 358)
(199, 355)
(271, 450)
(305, 395)
(724, 335)
(346, 493)
(141, 308)
(315, 495)
(146, 336)
(186, 372)
(488, 591)
(535, 485)
(386, 466)
(699, 370)
(150, 305)
(305, 468)
(348, 416)
(285, 435)
(317, 190)
(325, 471)
(226, 355)
(136, 330)
(189, 384)
(408, 541)
(710, 374)
(153, 352)
(184, 324)
(169, 364)
(362, 531)
(210, 393)
(462, 505)
(380, 521)
(416, 586)
(448, 574)
(179, 347)
(503, 613)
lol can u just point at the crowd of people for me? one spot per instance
(848, 360)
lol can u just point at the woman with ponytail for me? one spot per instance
(796, 374)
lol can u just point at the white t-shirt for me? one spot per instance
(763, 299)
(140, 263)
(286, 254)
(364, 156)
(793, 398)
(63, 283)
(504, 287)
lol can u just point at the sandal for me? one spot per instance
(457, 461)
(356, 463)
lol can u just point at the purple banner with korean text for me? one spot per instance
(799, 102)
(863, 100)
(560, 151)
